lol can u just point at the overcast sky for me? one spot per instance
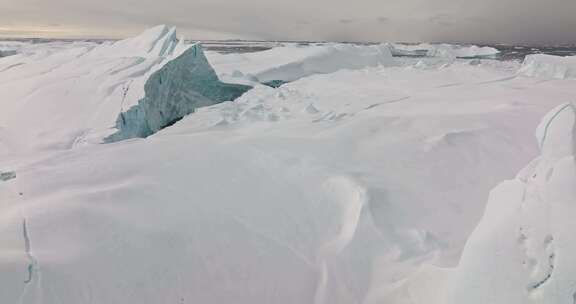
(509, 21)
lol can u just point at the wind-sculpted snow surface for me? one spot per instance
(549, 67)
(524, 249)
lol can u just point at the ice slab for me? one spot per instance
(291, 62)
(549, 66)
(444, 50)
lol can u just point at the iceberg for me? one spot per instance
(549, 67)
(57, 96)
(329, 59)
(444, 51)
(290, 62)
(157, 42)
(176, 90)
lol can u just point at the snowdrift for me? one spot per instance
(523, 250)
(304, 186)
(549, 67)
(293, 62)
(217, 223)
(444, 51)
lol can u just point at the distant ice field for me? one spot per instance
(507, 51)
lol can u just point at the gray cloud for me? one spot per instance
(443, 20)
(382, 19)
(527, 21)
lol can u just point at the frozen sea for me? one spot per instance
(508, 52)
(153, 170)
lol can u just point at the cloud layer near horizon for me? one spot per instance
(511, 21)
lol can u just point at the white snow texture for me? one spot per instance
(131, 173)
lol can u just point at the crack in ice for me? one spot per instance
(27, 249)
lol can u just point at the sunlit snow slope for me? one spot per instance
(355, 184)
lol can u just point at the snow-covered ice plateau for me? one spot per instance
(148, 170)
